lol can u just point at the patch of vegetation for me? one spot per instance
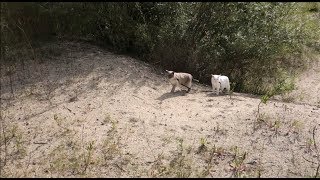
(12, 145)
(71, 159)
(248, 42)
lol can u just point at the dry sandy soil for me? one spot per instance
(82, 111)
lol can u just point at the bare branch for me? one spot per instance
(314, 139)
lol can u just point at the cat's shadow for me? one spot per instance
(213, 94)
(172, 95)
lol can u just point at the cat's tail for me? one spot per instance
(196, 80)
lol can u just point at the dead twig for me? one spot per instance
(69, 110)
(317, 172)
(309, 160)
(314, 139)
(40, 143)
(316, 148)
(137, 97)
(27, 39)
(5, 142)
(119, 167)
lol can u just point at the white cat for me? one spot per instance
(220, 83)
(179, 78)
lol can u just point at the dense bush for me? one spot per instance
(256, 44)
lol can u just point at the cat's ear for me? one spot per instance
(170, 72)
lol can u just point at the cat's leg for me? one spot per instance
(173, 88)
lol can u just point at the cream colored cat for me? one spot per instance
(220, 83)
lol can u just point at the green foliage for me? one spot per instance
(252, 43)
(264, 99)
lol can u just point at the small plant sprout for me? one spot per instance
(238, 162)
(233, 85)
(87, 159)
(180, 141)
(203, 141)
(202, 146)
(276, 126)
(57, 119)
(309, 144)
(263, 100)
(296, 126)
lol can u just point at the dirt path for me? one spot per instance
(138, 129)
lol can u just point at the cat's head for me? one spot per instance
(215, 77)
(170, 74)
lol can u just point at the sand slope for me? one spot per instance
(139, 129)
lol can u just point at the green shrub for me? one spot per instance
(255, 44)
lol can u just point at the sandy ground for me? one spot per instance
(86, 112)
